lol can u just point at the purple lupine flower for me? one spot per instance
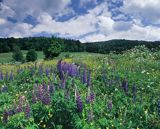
(88, 99)
(6, 76)
(40, 70)
(47, 72)
(125, 86)
(27, 110)
(63, 83)
(19, 109)
(40, 92)
(20, 105)
(11, 76)
(59, 68)
(92, 96)
(84, 76)
(110, 105)
(159, 107)
(44, 86)
(34, 99)
(10, 111)
(79, 103)
(46, 99)
(51, 88)
(89, 78)
(134, 90)
(1, 76)
(5, 116)
(67, 68)
(73, 70)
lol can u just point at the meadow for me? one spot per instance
(7, 57)
(82, 91)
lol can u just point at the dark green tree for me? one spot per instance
(17, 54)
(52, 49)
(31, 55)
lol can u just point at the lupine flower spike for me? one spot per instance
(110, 105)
(79, 103)
(125, 86)
(89, 78)
(5, 116)
(134, 90)
(27, 110)
(159, 107)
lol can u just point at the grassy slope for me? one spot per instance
(124, 63)
(7, 57)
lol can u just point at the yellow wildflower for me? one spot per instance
(44, 126)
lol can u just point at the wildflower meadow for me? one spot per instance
(83, 91)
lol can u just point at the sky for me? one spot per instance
(84, 20)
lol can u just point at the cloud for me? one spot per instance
(97, 19)
(145, 10)
(97, 24)
(2, 21)
(20, 9)
(136, 32)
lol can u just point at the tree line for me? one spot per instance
(69, 45)
(119, 46)
(39, 43)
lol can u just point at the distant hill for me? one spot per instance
(119, 45)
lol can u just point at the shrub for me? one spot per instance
(51, 50)
(31, 55)
(17, 54)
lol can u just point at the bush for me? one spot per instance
(17, 54)
(31, 55)
(52, 50)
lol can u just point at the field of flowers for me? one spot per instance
(83, 91)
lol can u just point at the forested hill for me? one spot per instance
(38, 43)
(69, 45)
(119, 45)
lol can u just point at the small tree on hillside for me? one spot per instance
(52, 50)
(17, 54)
(31, 55)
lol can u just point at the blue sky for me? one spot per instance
(86, 20)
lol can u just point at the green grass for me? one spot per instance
(7, 57)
